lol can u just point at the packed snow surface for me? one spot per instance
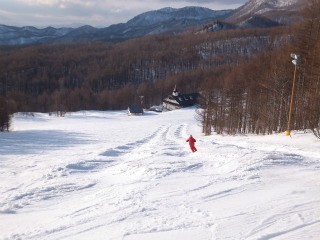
(107, 175)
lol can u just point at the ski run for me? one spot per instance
(105, 175)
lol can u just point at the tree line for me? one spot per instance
(255, 97)
(103, 76)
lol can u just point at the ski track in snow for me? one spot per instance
(146, 184)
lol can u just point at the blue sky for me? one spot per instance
(99, 13)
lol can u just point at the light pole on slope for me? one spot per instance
(295, 59)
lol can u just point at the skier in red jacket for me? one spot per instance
(191, 141)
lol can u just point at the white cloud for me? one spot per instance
(39, 2)
(65, 3)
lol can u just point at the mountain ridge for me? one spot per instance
(165, 20)
(278, 10)
(254, 13)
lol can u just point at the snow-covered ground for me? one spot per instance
(105, 175)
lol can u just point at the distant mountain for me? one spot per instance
(258, 22)
(166, 20)
(260, 14)
(217, 26)
(168, 14)
(251, 22)
(253, 14)
(29, 35)
(281, 11)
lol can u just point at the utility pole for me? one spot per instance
(295, 58)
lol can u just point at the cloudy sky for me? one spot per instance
(98, 13)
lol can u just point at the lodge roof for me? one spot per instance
(182, 100)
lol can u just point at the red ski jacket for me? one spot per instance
(191, 140)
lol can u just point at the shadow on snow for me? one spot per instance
(32, 142)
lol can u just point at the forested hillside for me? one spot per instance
(109, 76)
(255, 97)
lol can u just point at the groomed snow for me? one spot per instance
(105, 175)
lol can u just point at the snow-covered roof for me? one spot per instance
(182, 100)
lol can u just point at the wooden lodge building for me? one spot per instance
(177, 100)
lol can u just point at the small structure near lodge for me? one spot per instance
(178, 100)
(135, 110)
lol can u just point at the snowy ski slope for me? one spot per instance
(105, 175)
